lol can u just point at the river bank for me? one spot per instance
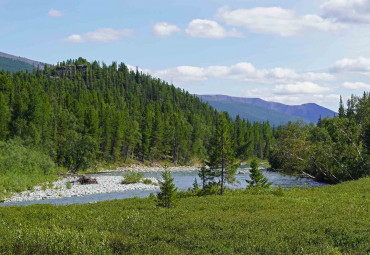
(69, 187)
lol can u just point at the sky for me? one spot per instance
(287, 51)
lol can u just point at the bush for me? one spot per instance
(68, 185)
(132, 177)
(147, 181)
(22, 167)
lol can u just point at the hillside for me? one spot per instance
(83, 114)
(308, 112)
(253, 113)
(13, 63)
(327, 220)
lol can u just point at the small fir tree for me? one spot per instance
(168, 195)
(257, 178)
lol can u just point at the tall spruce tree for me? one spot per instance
(4, 118)
(222, 159)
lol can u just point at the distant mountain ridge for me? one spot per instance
(276, 113)
(13, 63)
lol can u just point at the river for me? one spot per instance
(182, 179)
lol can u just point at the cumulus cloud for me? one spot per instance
(243, 71)
(209, 29)
(276, 20)
(297, 96)
(359, 65)
(103, 35)
(300, 88)
(356, 85)
(55, 13)
(352, 11)
(74, 39)
(164, 29)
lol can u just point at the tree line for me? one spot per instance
(336, 149)
(83, 113)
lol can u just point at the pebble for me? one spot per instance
(106, 184)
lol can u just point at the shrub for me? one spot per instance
(147, 181)
(22, 167)
(68, 185)
(132, 177)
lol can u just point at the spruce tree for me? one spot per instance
(222, 159)
(257, 178)
(4, 118)
(168, 195)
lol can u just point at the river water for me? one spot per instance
(182, 179)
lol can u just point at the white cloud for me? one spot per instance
(359, 65)
(209, 29)
(243, 71)
(300, 88)
(164, 29)
(104, 35)
(276, 20)
(55, 13)
(74, 39)
(356, 85)
(296, 97)
(353, 11)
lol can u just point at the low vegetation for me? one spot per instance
(132, 177)
(327, 220)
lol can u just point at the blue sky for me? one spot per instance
(286, 51)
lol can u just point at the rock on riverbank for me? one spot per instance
(106, 184)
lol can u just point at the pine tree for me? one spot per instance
(222, 160)
(257, 178)
(168, 195)
(4, 118)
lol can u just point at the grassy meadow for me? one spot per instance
(327, 220)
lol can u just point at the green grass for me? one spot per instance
(328, 220)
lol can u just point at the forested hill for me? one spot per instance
(81, 113)
(13, 63)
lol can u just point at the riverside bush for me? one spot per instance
(21, 168)
(132, 177)
(326, 220)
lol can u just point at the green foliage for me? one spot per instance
(257, 178)
(132, 177)
(22, 167)
(167, 197)
(303, 221)
(68, 185)
(147, 181)
(83, 114)
(336, 150)
(13, 65)
(222, 158)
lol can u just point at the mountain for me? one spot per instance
(256, 109)
(13, 63)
